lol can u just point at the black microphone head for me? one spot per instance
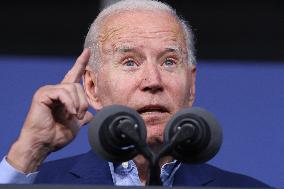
(195, 135)
(106, 138)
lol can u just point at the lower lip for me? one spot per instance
(154, 117)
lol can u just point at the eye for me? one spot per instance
(169, 62)
(129, 62)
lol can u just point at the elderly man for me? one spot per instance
(138, 54)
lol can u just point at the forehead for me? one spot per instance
(144, 28)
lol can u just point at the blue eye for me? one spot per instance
(169, 62)
(129, 63)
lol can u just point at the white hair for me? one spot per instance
(91, 40)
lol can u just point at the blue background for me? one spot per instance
(246, 97)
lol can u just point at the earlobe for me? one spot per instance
(90, 87)
(192, 86)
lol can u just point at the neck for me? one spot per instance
(142, 165)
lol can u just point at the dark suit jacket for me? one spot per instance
(90, 169)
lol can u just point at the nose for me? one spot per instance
(151, 79)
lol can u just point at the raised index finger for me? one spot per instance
(75, 73)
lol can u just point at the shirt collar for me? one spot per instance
(124, 168)
(129, 168)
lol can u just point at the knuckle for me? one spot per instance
(41, 91)
(65, 94)
(71, 87)
(80, 88)
(62, 90)
(68, 87)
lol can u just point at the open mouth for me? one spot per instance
(152, 109)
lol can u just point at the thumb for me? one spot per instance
(87, 118)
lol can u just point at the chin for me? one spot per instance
(155, 138)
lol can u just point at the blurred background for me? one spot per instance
(251, 30)
(240, 77)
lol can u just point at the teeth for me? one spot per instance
(150, 111)
(153, 111)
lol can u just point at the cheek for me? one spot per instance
(115, 88)
(179, 88)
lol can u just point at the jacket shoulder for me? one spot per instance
(79, 169)
(209, 175)
(50, 171)
(228, 178)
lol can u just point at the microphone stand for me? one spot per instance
(155, 171)
(154, 167)
(128, 130)
(183, 134)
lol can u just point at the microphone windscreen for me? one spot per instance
(106, 138)
(195, 134)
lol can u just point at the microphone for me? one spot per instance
(115, 132)
(192, 135)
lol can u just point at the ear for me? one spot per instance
(192, 86)
(91, 88)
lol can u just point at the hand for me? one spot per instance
(56, 114)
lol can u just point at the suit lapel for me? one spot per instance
(193, 175)
(90, 169)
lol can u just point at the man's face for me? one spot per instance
(144, 66)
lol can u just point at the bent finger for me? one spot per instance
(71, 89)
(87, 118)
(63, 96)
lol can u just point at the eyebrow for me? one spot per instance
(176, 49)
(125, 49)
(171, 49)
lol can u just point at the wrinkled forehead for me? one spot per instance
(153, 28)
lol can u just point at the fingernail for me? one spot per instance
(80, 116)
(74, 110)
